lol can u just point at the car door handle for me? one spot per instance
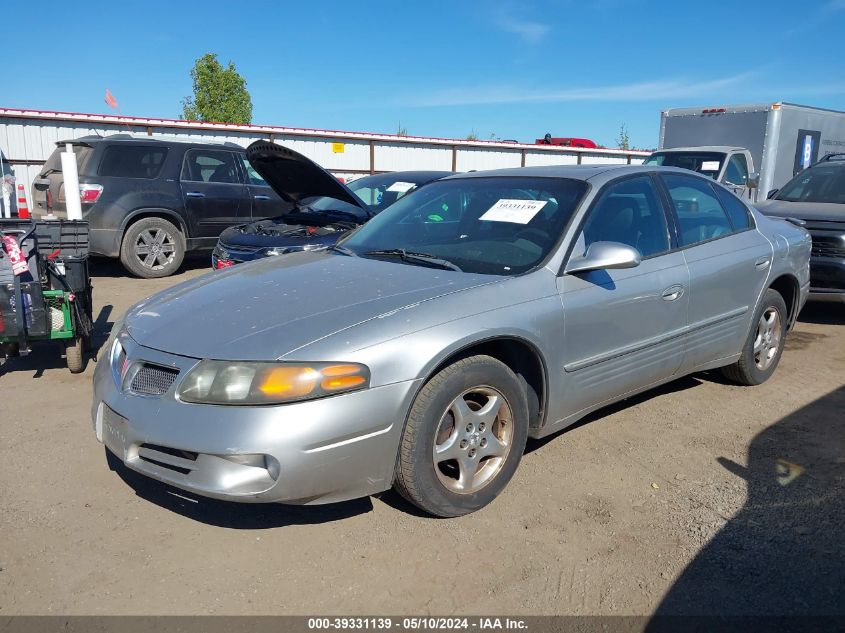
(673, 292)
(195, 194)
(261, 197)
(762, 263)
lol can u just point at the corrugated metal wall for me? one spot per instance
(27, 138)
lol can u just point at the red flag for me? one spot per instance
(110, 100)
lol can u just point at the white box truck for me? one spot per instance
(730, 143)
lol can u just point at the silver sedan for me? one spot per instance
(423, 350)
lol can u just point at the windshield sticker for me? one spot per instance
(710, 165)
(401, 187)
(515, 211)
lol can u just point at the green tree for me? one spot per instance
(220, 93)
(622, 141)
(401, 131)
(472, 136)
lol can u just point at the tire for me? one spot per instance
(75, 354)
(767, 335)
(152, 248)
(487, 445)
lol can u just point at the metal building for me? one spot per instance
(28, 137)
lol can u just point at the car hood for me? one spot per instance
(295, 177)
(821, 211)
(269, 308)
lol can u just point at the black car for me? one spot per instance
(322, 208)
(149, 200)
(817, 197)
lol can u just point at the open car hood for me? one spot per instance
(295, 177)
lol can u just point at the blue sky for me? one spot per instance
(495, 67)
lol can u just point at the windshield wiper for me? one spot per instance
(416, 258)
(343, 250)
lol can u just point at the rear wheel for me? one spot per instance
(764, 346)
(151, 248)
(464, 439)
(75, 354)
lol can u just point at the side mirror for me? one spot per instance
(753, 180)
(605, 255)
(772, 194)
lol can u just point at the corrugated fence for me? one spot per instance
(28, 137)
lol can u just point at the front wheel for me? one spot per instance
(464, 438)
(151, 248)
(764, 346)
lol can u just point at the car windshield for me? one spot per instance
(821, 183)
(706, 163)
(377, 192)
(488, 225)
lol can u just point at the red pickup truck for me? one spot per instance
(566, 141)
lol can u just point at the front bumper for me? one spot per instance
(225, 255)
(827, 279)
(322, 451)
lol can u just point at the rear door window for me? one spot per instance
(700, 214)
(737, 211)
(132, 161)
(209, 165)
(253, 176)
(54, 162)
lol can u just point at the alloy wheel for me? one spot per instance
(473, 440)
(767, 340)
(155, 248)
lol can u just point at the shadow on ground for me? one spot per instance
(681, 384)
(238, 516)
(106, 267)
(46, 355)
(823, 313)
(783, 554)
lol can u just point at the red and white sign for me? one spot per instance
(17, 257)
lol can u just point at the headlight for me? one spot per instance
(284, 250)
(255, 383)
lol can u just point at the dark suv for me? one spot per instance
(817, 197)
(149, 200)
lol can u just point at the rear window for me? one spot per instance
(132, 161)
(707, 163)
(54, 162)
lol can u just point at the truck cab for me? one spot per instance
(731, 166)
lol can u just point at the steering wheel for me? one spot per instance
(527, 232)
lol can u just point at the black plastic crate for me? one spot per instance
(68, 236)
(76, 278)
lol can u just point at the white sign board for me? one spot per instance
(515, 211)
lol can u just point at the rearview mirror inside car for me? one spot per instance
(603, 256)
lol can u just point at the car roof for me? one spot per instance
(416, 175)
(573, 172)
(147, 140)
(703, 148)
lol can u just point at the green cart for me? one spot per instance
(52, 300)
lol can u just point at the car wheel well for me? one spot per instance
(172, 218)
(787, 287)
(523, 359)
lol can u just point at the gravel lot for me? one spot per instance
(673, 500)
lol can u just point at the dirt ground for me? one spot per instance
(648, 505)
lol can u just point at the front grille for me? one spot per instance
(825, 248)
(153, 380)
